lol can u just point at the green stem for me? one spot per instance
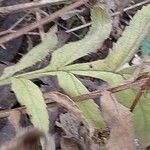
(29, 75)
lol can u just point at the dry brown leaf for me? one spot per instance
(66, 102)
(30, 140)
(70, 144)
(27, 141)
(14, 119)
(119, 120)
(76, 134)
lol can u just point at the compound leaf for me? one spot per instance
(125, 47)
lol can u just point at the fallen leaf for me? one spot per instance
(119, 120)
(72, 126)
(14, 119)
(27, 141)
(76, 134)
(74, 144)
(70, 144)
(66, 102)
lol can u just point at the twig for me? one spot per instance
(24, 6)
(43, 21)
(91, 95)
(132, 7)
(143, 88)
(41, 29)
(46, 14)
(114, 89)
(14, 25)
(114, 14)
(79, 27)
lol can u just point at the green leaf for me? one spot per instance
(142, 119)
(73, 87)
(100, 30)
(145, 47)
(126, 97)
(29, 95)
(112, 79)
(125, 47)
(131, 38)
(37, 53)
(103, 75)
(105, 69)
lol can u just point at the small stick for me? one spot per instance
(91, 95)
(46, 14)
(24, 6)
(114, 14)
(41, 29)
(14, 25)
(114, 89)
(43, 21)
(143, 88)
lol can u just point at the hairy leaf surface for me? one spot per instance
(100, 30)
(74, 87)
(36, 54)
(142, 110)
(29, 95)
(125, 47)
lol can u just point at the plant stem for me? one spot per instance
(143, 88)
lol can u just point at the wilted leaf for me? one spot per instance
(27, 141)
(119, 119)
(29, 95)
(36, 54)
(14, 119)
(77, 135)
(141, 112)
(69, 143)
(73, 87)
(105, 69)
(73, 126)
(66, 102)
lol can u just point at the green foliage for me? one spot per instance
(74, 87)
(125, 47)
(35, 55)
(145, 47)
(142, 119)
(106, 69)
(29, 95)
(100, 30)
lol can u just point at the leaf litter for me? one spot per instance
(75, 134)
(120, 122)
